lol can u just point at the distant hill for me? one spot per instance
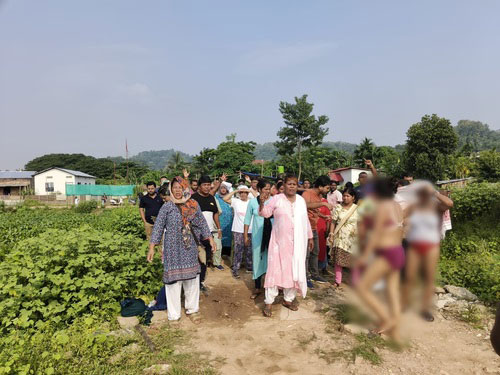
(478, 135)
(265, 151)
(158, 159)
(340, 146)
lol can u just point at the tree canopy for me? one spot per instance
(302, 129)
(429, 145)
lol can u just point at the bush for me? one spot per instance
(86, 207)
(60, 275)
(476, 200)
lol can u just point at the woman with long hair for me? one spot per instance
(344, 235)
(260, 236)
(184, 226)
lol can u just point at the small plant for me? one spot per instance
(86, 207)
(471, 315)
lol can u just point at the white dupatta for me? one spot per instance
(300, 239)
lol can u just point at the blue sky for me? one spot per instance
(81, 76)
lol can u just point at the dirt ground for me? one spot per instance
(237, 339)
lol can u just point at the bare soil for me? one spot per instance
(237, 339)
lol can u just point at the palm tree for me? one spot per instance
(176, 163)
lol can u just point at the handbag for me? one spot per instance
(342, 222)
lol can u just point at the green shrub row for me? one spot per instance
(60, 275)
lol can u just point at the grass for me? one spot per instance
(304, 341)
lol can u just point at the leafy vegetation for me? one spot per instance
(470, 253)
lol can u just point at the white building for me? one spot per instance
(54, 181)
(349, 174)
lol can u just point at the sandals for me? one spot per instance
(267, 311)
(195, 317)
(427, 316)
(255, 294)
(290, 305)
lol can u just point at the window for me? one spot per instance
(79, 183)
(49, 187)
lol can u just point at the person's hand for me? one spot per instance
(330, 239)
(310, 244)
(219, 233)
(329, 205)
(212, 244)
(223, 178)
(151, 254)
(185, 173)
(247, 240)
(248, 179)
(368, 163)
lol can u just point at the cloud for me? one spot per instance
(136, 89)
(278, 57)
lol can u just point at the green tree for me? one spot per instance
(429, 145)
(389, 160)
(366, 150)
(479, 136)
(302, 129)
(175, 164)
(488, 165)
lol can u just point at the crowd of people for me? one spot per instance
(293, 235)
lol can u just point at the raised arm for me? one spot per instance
(228, 197)
(370, 165)
(266, 209)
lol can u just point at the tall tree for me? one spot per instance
(302, 129)
(367, 150)
(429, 146)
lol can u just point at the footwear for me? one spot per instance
(248, 271)
(290, 305)
(203, 288)
(236, 276)
(310, 285)
(427, 316)
(220, 267)
(319, 279)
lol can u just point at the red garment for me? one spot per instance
(321, 228)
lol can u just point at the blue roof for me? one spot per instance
(16, 174)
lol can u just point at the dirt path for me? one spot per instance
(239, 340)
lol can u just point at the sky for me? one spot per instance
(84, 76)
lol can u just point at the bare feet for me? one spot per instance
(255, 293)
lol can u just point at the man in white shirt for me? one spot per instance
(334, 197)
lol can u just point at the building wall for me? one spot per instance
(352, 175)
(58, 180)
(84, 181)
(15, 185)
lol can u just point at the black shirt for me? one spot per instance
(208, 206)
(152, 206)
(207, 203)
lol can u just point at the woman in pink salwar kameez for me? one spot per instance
(291, 238)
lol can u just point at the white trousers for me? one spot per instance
(272, 293)
(191, 295)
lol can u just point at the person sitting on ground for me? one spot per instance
(184, 226)
(291, 239)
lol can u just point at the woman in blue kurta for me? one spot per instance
(261, 234)
(179, 220)
(225, 218)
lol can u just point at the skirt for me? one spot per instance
(342, 257)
